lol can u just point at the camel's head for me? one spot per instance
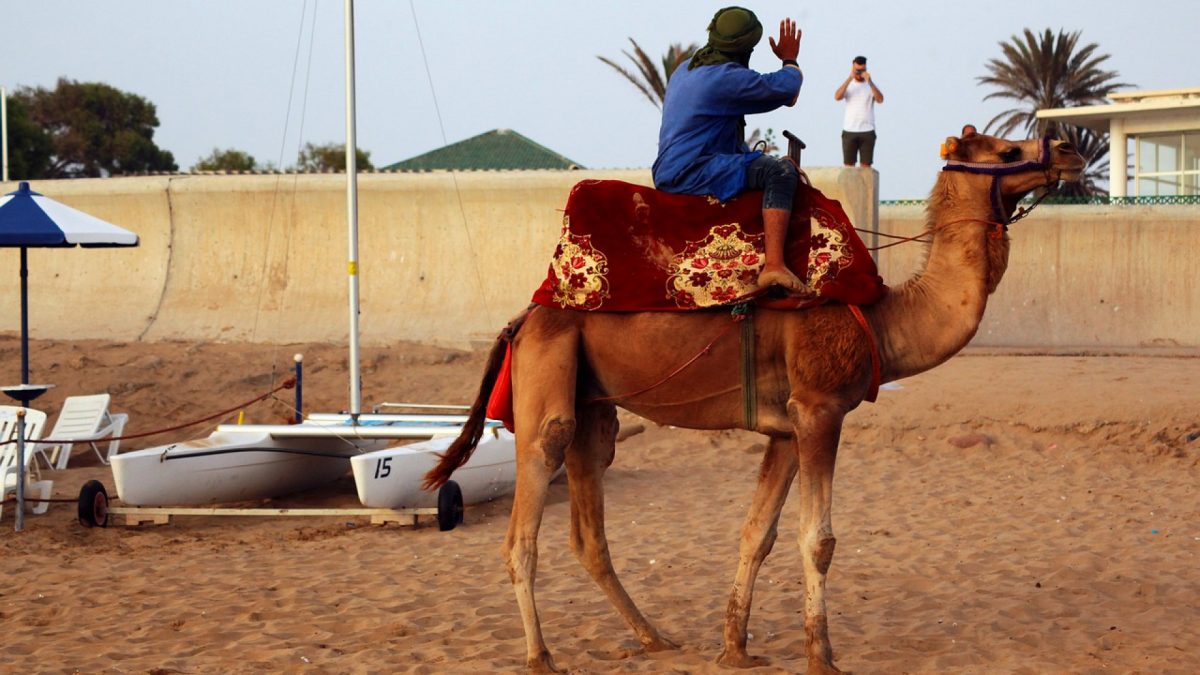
(1009, 170)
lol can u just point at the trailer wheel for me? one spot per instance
(93, 504)
(450, 506)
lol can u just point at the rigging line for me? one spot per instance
(483, 289)
(287, 119)
(312, 39)
(312, 34)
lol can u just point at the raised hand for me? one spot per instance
(788, 46)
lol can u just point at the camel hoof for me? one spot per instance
(740, 659)
(821, 668)
(542, 664)
(660, 644)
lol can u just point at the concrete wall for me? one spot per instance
(448, 258)
(444, 258)
(1082, 276)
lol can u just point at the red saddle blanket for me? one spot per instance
(631, 248)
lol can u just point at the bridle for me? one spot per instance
(1000, 220)
(1042, 163)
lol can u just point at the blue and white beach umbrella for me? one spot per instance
(30, 220)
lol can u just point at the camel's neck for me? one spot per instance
(929, 318)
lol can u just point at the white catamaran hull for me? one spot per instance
(391, 478)
(242, 462)
(226, 467)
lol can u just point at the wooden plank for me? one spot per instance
(144, 511)
(137, 520)
(403, 520)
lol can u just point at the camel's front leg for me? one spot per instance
(758, 536)
(587, 459)
(818, 430)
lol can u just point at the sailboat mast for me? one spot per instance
(352, 212)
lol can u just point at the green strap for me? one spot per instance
(749, 382)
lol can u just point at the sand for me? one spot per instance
(1002, 513)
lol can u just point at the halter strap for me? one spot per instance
(1007, 168)
(1042, 163)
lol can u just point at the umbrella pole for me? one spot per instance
(24, 316)
(20, 519)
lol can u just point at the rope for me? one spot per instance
(902, 239)
(737, 319)
(286, 384)
(1022, 211)
(462, 210)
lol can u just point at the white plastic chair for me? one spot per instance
(35, 420)
(83, 419)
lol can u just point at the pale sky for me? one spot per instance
(220, 71)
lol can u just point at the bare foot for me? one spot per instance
(778, 275)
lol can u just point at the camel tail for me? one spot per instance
(463, 447)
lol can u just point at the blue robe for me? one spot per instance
(700, 146)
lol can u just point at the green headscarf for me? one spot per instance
(732, 35)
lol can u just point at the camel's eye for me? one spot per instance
(1010, 155)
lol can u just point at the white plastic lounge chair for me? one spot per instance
(83, 419)
(34, 421)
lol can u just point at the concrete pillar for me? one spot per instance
(1118, 158)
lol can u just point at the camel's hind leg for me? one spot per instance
(587, 460)
(818, 430)
(758, 536)
(544, 403)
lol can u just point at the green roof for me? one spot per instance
(495, 149)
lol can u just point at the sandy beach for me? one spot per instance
(1003, 513)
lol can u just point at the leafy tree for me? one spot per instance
(650, 80)
(96, 129)
(1052, 71)
(226, 160)
(29, 146)
(330, 157)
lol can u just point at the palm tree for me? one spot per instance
(650, 80)
(1050, 71)
(1093, 146)
(653, 83)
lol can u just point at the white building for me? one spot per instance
(1158, 130)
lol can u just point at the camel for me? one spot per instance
(811, 367)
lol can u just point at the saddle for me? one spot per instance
(631, 248)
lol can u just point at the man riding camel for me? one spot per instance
(701, 144)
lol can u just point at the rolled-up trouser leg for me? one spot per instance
(776, 177)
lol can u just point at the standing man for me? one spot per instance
(858, 128)
(701, 144)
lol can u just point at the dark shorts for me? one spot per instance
(859, 144)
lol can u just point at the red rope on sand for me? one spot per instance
(286, 384)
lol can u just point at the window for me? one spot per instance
(1191, 152)
(1167, 164)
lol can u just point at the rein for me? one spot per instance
(1001, 220)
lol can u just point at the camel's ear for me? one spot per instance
(949, 147)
